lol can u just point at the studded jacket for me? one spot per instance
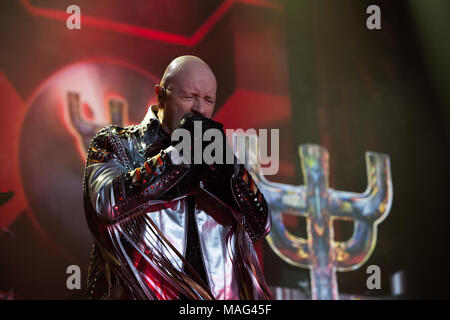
(136, 208)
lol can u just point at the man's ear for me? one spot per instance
(159, 92)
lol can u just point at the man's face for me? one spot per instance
(193, 92)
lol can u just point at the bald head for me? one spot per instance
(185, 68)
(188, 85)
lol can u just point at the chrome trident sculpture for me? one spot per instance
(320, 205)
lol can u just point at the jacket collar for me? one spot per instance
(155, 137)
(151, 114)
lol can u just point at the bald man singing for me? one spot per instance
(166, 226)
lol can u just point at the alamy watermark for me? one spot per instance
(374, 20)
(374, 280)
(74, 279)
(249, 147)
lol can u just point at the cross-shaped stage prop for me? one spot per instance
(320, 204)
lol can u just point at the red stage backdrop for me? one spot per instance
(111, 65)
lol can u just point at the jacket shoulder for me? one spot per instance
(104, 144)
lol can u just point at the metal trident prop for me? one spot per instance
(320, 204)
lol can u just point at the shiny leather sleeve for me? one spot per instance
(115, 190)
(243, 198)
